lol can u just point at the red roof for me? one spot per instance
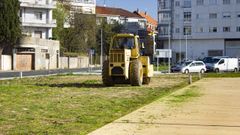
(116, 11)
(148, 18)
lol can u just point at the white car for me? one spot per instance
(193, 67)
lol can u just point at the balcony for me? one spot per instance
(31, 42)
(43, 4)
(83, 3)
(43, 24)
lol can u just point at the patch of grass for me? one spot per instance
(73, 104)
(160, 67)
(220, 75)
(185, 96)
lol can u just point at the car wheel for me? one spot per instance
(186, 71)
(202, 71)
(217, 70)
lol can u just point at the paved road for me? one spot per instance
(14, 74)
(216, 112)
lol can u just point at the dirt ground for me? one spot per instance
(215, 112)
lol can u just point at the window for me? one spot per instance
(197, 16)
(213, 2)
(163, 30)
(165, 4)
(199, 64)
(187, 30)
(200, 29)
(226, 15)
(187, 4)
(200, 2)
(38, 15)
(226, 2)
(38, 34)
(213, 29)
(226, 29)
(238, 14)
(193, 65)
(215, 53)
(177, 30)
(238, 1)
(221, 62)
(213, 16)
(177, 3)
(164, 17)
(238, 29)
(187, 16)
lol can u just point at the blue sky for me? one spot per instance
(144, 5)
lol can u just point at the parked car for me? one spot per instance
(177, 67)
(218, 64)
(193, 67)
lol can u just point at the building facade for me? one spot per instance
(36, 50)
(84, 6)
(199, 28)
(133, 23)
(36, 18)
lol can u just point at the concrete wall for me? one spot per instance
(74, 62)
(46, 52)
(6, 62)
(196, 49)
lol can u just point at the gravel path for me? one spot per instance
(215, 112)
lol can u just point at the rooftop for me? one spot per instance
(147, 17)
(116, 12)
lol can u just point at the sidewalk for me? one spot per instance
(35, 73)
(215, 112)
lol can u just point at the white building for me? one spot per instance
(36, 51)
(200, 28)
(133, 23)
(84, 6)
(36, 18)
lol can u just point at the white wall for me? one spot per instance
(196, 48)
(6, 62)
(30, 31)
(29, 15)
(205, 22)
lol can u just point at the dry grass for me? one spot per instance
(73, 104)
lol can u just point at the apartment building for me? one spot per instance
(36, 18)
(133, 23)
(84, 6)
(151, 22)
(199, 28)
(36, 51)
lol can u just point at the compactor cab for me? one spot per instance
(125, 63)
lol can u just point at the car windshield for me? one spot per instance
(215, 60)
(186, 63)
(123, 43)
(208, 60)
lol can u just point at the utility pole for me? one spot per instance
(101, 57)
(169, 44)
(186, 47)
(180, 56)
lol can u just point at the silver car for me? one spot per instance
(193, 67)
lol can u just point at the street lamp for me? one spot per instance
(169, 44)
(186, 46)
(101, 57)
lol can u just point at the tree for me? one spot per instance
(80, 36)
(108, 29)
(10, 30)
(61, 14)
